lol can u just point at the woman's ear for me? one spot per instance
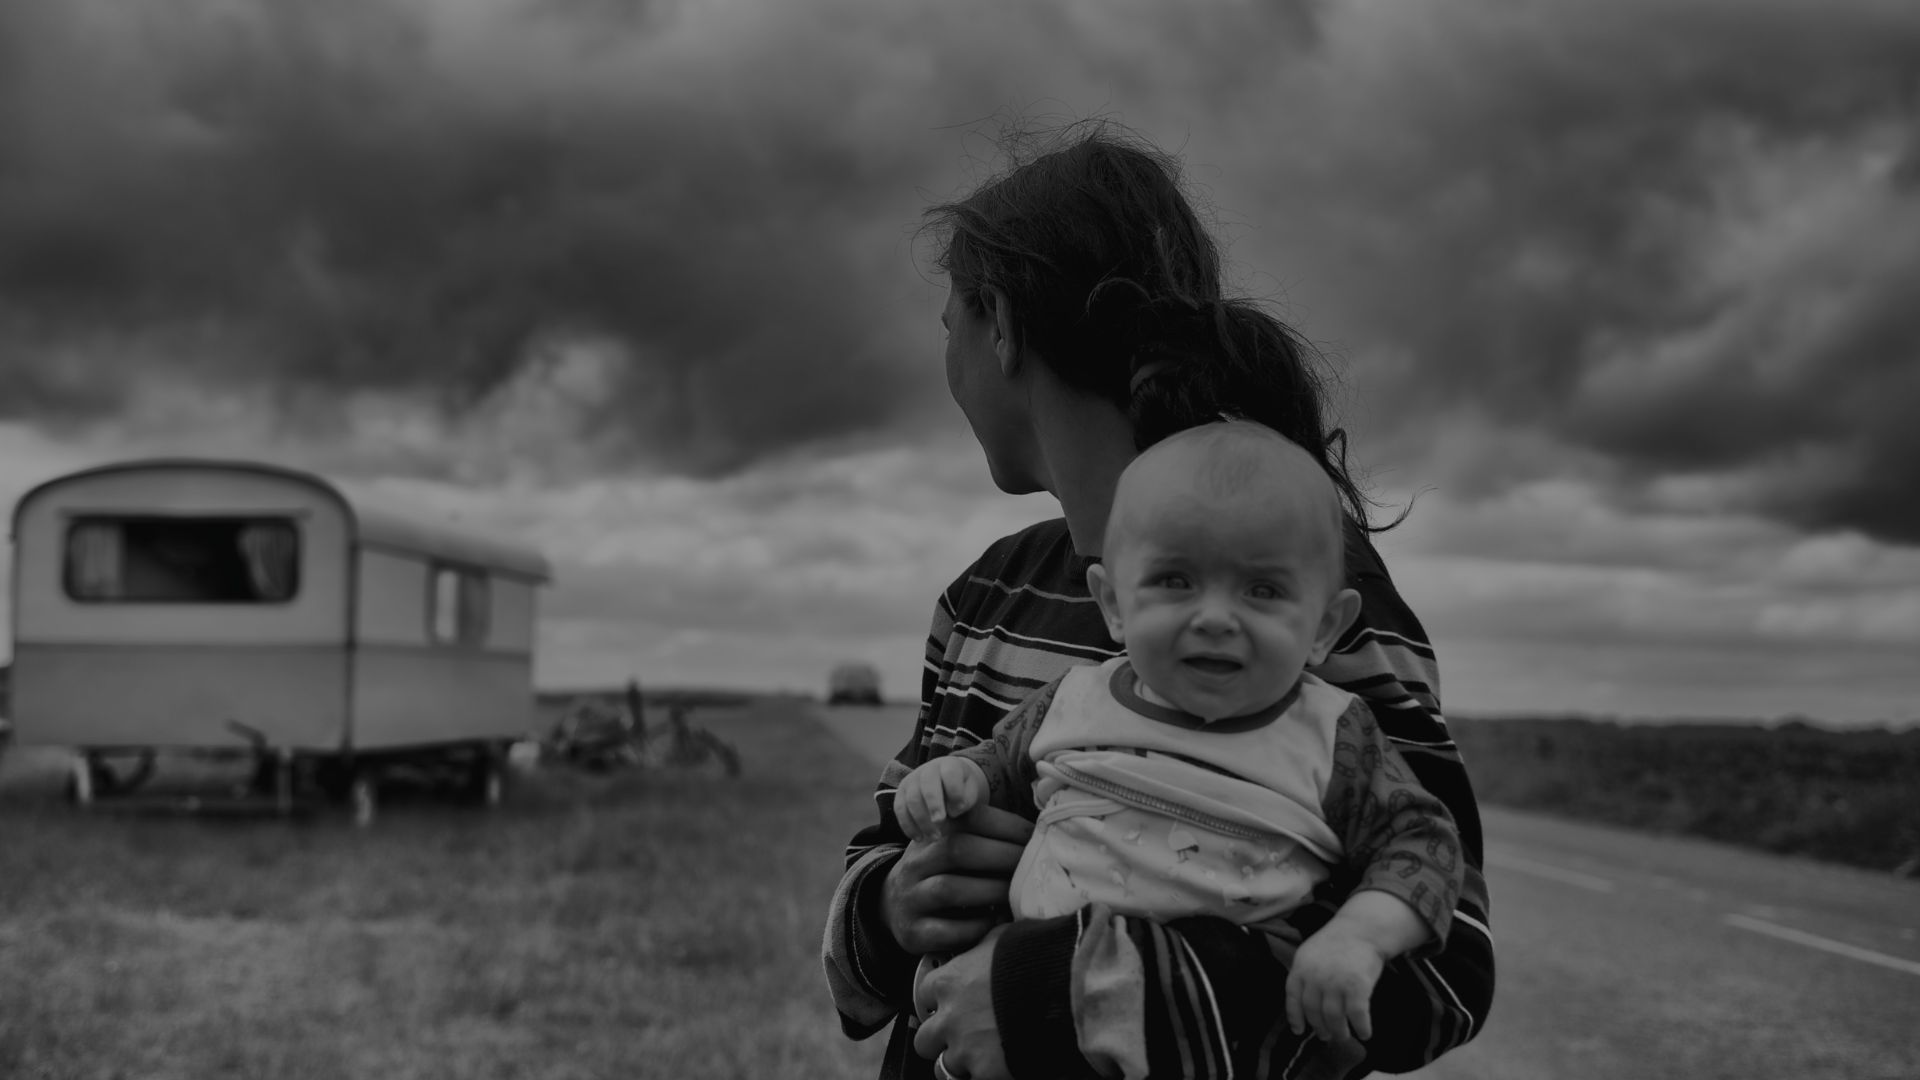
(1342, 609)
(1000, 314)
(1102, 589)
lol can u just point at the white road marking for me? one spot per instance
(1814, 941)
(1550, 872)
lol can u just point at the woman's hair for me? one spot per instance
(1112, 278)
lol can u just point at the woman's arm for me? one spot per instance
(869, 974)
(1385, 658)
(898, 899)
(1439, 1001)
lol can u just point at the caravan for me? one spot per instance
(231, 607)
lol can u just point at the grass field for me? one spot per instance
(637, 924)
(1841, 796)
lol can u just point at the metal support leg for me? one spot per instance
(283, 783)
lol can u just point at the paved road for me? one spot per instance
(1625, 956)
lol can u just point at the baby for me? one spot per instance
(1205, 772)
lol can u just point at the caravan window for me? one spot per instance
(182, 560)
(459, 606)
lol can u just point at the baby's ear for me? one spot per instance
(1102, 589)
(1342, 608)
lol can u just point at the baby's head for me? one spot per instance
(1222, 568)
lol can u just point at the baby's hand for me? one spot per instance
(943, 788)
(1331, 984)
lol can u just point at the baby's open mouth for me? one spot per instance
(1213, 665)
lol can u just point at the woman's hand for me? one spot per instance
(941, 895)
(957, 1000)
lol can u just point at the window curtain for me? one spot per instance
(94, 560)
(473, 608)
(270, 552)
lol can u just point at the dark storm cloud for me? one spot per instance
(311, 201)
(1678, 235)
(1685, 235)
(380, 195)
(306, 199)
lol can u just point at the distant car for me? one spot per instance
(853, 684)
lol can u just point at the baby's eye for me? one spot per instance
(1264, 591)
(1171, 581)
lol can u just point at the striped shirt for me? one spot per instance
(1016, 620)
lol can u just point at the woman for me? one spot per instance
(1085, 322)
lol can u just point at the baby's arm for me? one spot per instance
(936, 792)
(1410, 850)
(1334, 970)
(997, 771)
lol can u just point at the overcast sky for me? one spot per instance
(1623, 293)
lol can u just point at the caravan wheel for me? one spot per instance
(361, 797)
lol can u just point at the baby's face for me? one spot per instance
(1221, 601)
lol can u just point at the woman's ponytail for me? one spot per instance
(1231, 360)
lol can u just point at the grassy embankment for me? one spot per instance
(1843, 796)
(642, 923)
